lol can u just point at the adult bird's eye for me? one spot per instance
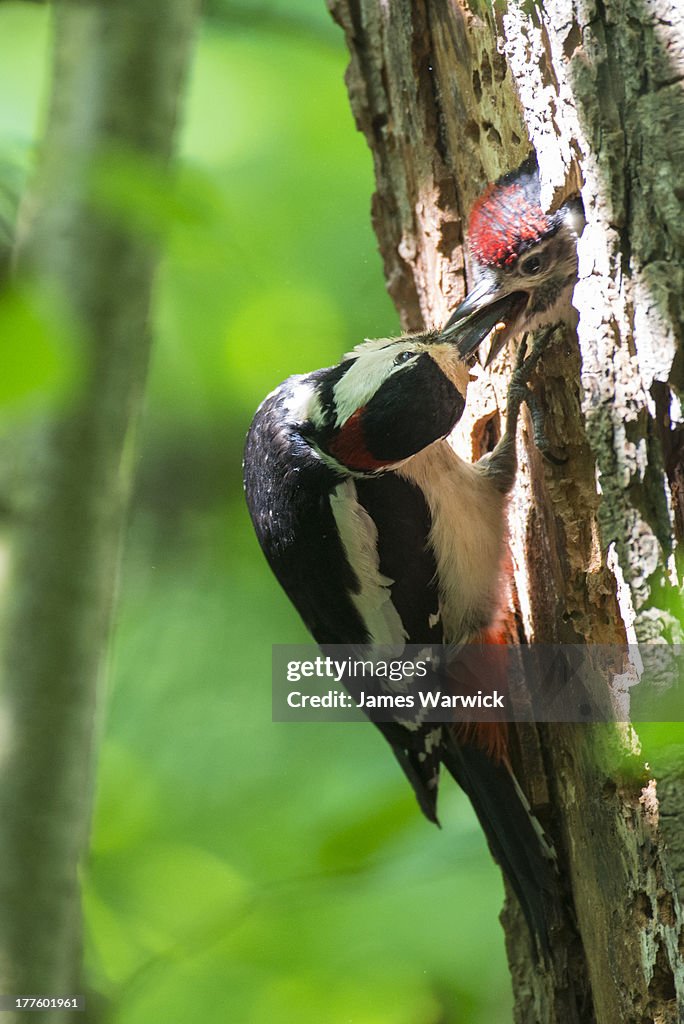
(403, 357)
(532, 265)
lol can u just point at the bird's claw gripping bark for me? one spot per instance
(519, 391)
(540, 439)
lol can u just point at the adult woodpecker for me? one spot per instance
(522, 255)
(380, 534)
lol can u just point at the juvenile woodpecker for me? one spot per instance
(521, 256)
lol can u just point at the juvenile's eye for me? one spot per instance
(532, 265)
(403, 357)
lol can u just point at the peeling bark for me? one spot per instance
(450, 95)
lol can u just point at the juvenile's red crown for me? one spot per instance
(506, 220)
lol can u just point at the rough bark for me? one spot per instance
(119, 68)
(450, 95)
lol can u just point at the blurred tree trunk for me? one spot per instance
(450, 95)
(119, 70)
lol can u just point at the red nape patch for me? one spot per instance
(504, 219)
(349, 446)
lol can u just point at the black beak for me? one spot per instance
(480, 312)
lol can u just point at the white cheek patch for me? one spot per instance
(372, 368)
(370, 345)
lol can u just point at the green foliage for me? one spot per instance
(39, 359)
(240, 870)
(660, 743)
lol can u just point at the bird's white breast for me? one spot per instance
(467, 536)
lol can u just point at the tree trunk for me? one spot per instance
(450, 95)
(119, 66)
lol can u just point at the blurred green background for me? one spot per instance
(244, 871)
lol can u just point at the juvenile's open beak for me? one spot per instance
(482, 311)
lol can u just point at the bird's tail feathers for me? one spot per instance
(419, 752)
(515, 836)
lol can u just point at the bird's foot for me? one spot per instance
(525, 363)
(538, 432)
(519, 392)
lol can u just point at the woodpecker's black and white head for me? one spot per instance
(524, 260)
(388, 399)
